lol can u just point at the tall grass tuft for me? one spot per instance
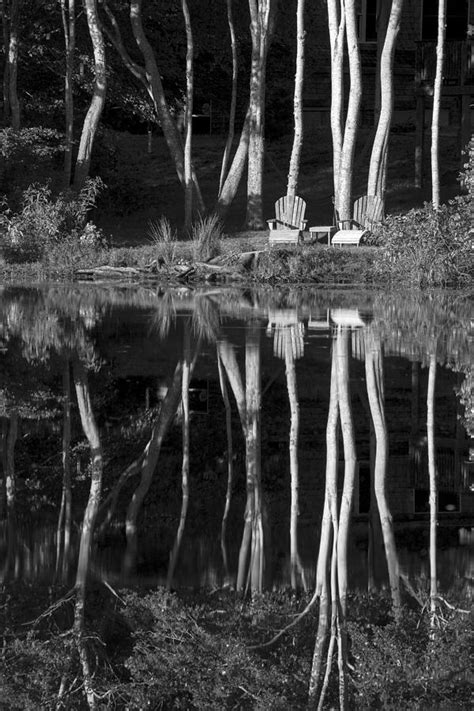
(207, 235)
(164, 237)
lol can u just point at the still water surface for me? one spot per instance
(210, 421)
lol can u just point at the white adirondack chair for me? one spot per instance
(368, 211)
(288, 224)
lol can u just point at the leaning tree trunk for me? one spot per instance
(337, 28)
(153, 80)
(294, 169)
(260, 11)
(234, 175)
(343, 203)
(233, 99)
(91, 431)
(378, 159)
(91, 121)
(437, 104)
(148, 465)
(188, 121)
(68, 15)
(13, 46)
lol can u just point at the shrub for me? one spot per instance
(207, 234)
(425, 247)
(45, 221)
(164, 238)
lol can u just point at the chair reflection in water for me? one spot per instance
(288, 333)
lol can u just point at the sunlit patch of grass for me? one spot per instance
(164, 237)
(206, 234)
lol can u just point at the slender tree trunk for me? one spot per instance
(347, 499)
(6, 66)
(253, 393)
(13, 46)
(230, 463)
(188, 121)
(92, 433)
(260, 11)
(153, 79)
(378, 159)
(185, 463)
(328, 532)
(375, 392)
(293, 173)
(344, 200)
(337, 29)
(233, 100)
(91, 121)
(295, 563)
(68, 15)
(437, 104)
(148, 465)
(430, 432)
(63, 533)
(234, 175)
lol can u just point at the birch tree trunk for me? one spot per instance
(260, 11)
(91, 431)
(234, 175)
(185, 456)
(430, 432)
(233, 100)
(437, 104)
(148, 465)
(344, 197)
(188, 120)
(378, 159)
(91, 121)
(375, 393)
(68, 15)
(63, 533)
(6, 67)
(329, 530)
(347, 500)
(13, 47)
(337, 28)
(294, 169)
(153, 80)
(230, 463)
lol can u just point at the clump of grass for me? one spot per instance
(164, 237)
(207, 235)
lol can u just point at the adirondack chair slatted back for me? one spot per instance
(368, 211)
(289, 212)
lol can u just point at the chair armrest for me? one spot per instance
(272, 224)
(303, 224)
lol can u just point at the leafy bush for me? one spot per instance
(427, 247)
(207, 235)
(410, 665)
(45, 221)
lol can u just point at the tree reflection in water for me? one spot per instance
(54, 339)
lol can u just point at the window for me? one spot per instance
(457, 13)
(368, 21)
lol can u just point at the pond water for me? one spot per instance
(197, 431)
